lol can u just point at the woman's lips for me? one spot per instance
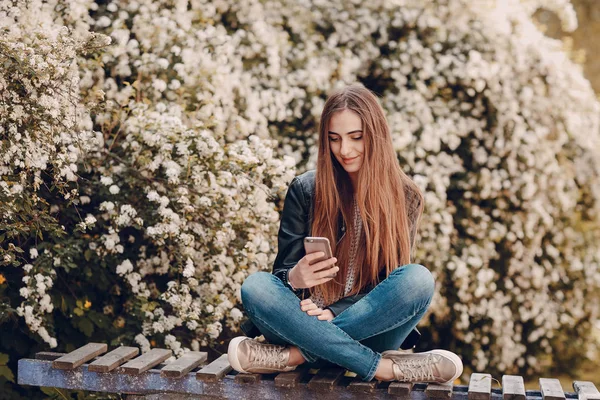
(349, 160)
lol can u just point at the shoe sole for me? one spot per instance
(454, 358)
(232, 353)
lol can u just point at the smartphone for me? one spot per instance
(316, 244)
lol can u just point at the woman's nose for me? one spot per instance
(345, 148)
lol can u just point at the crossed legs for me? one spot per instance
(354, 339)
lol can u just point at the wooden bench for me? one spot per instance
(145, 377)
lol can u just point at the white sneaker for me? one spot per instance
(251, 356)
(437, 366)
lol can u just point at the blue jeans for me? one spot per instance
(354, 339)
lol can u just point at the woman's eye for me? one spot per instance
(333, 139)
(358, 138)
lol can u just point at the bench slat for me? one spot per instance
(215, 370)
(400, 388)
(326, 378)
(290, 379)
(513, 387)
(112, 360)
(77, 357)
(145, 361)
(48, 355)
(480, 386)
(184, 364)
(586, 390)
(362, 386)
(551, 389)
(438, 391)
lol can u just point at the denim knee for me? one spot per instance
(419, 279)
(255, 289)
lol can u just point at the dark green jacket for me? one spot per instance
(295, 225)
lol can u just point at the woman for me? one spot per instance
(359, 306)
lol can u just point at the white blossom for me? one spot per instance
(125, 267)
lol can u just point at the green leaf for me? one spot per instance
(78, 311)
(86, 326)
(101, 321)
(88, 255)
(7, 373)
(3, 359)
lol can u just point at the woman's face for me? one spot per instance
(346, 140)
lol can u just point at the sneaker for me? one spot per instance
(437, 366)
(253, 357)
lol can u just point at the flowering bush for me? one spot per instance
(126, 216)
(141, 180)
(45, 129)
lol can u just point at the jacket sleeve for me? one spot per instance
(293, 228)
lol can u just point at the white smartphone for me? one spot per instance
(316, 244)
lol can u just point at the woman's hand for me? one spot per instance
(311, 308)
(304, 275)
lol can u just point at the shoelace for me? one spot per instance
(417, 369)
(268, 355)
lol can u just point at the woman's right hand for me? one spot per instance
(303, 275)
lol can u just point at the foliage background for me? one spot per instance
(146, 147)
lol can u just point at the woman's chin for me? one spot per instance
(351, 169)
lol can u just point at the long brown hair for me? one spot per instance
(390, 203)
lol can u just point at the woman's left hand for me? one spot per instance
(311, 308)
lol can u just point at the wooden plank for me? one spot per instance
(215, 370)
(112, 360)
(513, 387)
(359, 386)
(551, 389)
(248, 378)
(290, 379)
(400, 388)
(326, 378)
(48, 355)
(480, 387)
(145, 361)
(586, 390)
(77, 357)
(438, 391)
(184, 364)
